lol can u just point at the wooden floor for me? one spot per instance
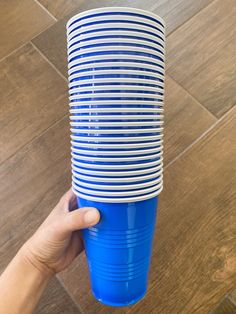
(194, 256)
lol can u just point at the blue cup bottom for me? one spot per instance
(118, 250)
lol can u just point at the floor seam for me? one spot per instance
(46, 10)
(34, 139)
(69, 294)
(199, 138)
(193, 97)
(48, 61)
(200, 10)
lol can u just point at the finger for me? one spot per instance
(81, 218)
(77, 245)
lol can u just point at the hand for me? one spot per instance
(57, 241)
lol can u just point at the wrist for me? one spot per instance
(30, 259)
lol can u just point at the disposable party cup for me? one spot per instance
(116, 62)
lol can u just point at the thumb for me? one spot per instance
(81, 218)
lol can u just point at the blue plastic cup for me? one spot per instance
(119, 249)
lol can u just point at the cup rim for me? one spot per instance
(117, 153)
(116, 49)
(119, 187)
(116, 80)
(104, 26)
(118, 200)
(115, 41)
(79, 22)
(127, 131)
(116, 88)
(111, 173)
(118, 179)
(114, 10)
(117, 124)
(117, 159)
(118, 64)
(116, 139)
(114, 110)
(119, 193)
(125, 33)
(112, 71)
(112, 56)
(117, 167)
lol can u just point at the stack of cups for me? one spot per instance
(116, 91)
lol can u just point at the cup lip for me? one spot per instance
(117, 167)
(118, 200)
(116, 80)
(127, 131)
(117, 159)
(115, 41)
(116, 139)
(114, 17)
(116, 49)
(115, 94)
(112, 173)
(74, 145)
(98, 28)
(117, 124)
(114, 10)
(112, 57)
(118, 179)
(119, 193)
(125, 33)
(114, 110)
(118, 187)
(97, 118)
(88, 67)
(107, 72)
(117, 153)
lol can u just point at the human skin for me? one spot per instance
(51, 249)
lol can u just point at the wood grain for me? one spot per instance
(20, 21)
(226, 306)
(185, 120)
(32, 182)
(33, 96)
(201, 56)
(55, 300)
(194, 255)
(62, 8)
(175, 13)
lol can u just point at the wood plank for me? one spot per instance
(20, 21)
(194, 255)
(32, 182)
(177, 12)
(226, 306)
(33, 96)
(62, 8)
(201, 56)
(55, 300)
(185, 120)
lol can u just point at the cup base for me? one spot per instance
(108, 301)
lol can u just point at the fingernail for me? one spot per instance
(91, 216)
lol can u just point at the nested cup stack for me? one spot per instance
(116, 60)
